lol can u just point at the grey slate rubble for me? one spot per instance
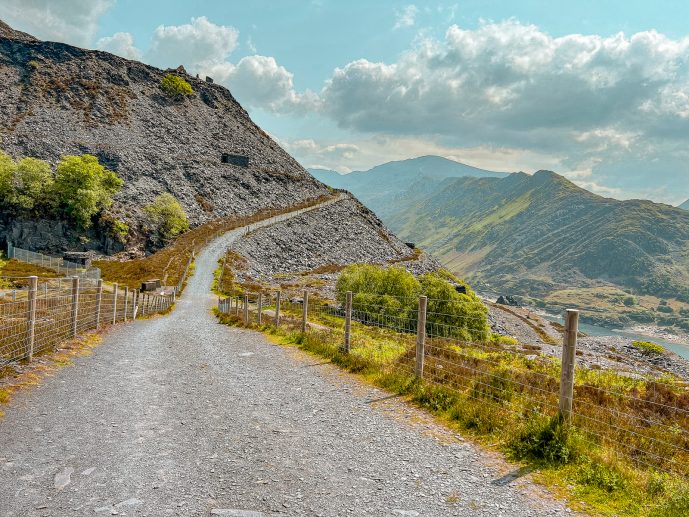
(57, 99)
(342, 233)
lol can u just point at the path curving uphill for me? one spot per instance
(178, 415)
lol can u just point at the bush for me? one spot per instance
(629, 301)
(167, 216)
(389, 295)
(175, 86)
(33, 184)
(543, 440)
(648, 347)
(83, 187)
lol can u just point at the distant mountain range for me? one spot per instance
(383, 186)
(685, 205)
(527, 234)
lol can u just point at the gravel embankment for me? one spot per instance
(181, 416)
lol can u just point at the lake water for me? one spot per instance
(681, 350)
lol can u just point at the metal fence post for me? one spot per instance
(114, 303)
(126, 301)
(348, 323)
(421, 337)
(569, 350)
(246, 309)
(75, 305)
(260, 308)
(277, 308)
(305, 312)
(33, 288)
(99, 300)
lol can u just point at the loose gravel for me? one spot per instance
(179, 415)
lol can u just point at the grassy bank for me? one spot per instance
(504, 399)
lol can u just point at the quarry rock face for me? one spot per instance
(204, 149)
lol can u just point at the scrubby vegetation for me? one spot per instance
(167, 216)
(392, 292)
(648, 347)
(79, 189)
(174, 86)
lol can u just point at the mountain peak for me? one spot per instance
(685, 205)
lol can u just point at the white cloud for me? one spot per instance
(200, 45)
(514, 85)
(406, 17)
(121, 44)
(260, 81)
(70, 21)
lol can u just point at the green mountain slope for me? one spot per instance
(381, 187)
(536, 234)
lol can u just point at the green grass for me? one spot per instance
(496, 404)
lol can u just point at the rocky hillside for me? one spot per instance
(58, 100)
(383, 186)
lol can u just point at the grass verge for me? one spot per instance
(590, 475)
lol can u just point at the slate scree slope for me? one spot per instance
(204, 149)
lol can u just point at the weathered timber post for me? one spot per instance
(135, 303)
(126, 301)
(260, 308)
(305, 312)
(246, 309)
(143, 304)
(569, 350)
(14, 295)
(236, 307)
(114, 303)
(75, 305)
(33, 289)
(348, 323)
(421, 336)
(277, 308)
(99, 300)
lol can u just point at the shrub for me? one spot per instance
(629, 301)
(33, 184)
(382, 294)
(648, 347)
(599, 475)
(7, 171)
(175, 86)
(665, 309)
(544, 440)
(83, 187)
(167, 216)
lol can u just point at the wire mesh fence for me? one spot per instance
(38, 316)
(644, 420)
(59, 265)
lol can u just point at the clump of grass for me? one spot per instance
(543, 439)
(648, 347)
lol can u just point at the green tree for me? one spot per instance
(7, 171)
(168, 216)
(175, 86)
(83, 187)
(33, 184)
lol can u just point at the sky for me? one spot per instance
(596, 91)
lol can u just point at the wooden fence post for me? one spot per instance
(135, 303)
(260, 308)
(143, 304)
(75, 305)
(114, 303)
(277, 308)
(236, 306)
(421, 337)
(33, 291)
(569, 350)
(348, 323)
(246, 309)
(305, 312)
(126, 301)
(99, 300)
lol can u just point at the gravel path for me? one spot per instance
(178, 415)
